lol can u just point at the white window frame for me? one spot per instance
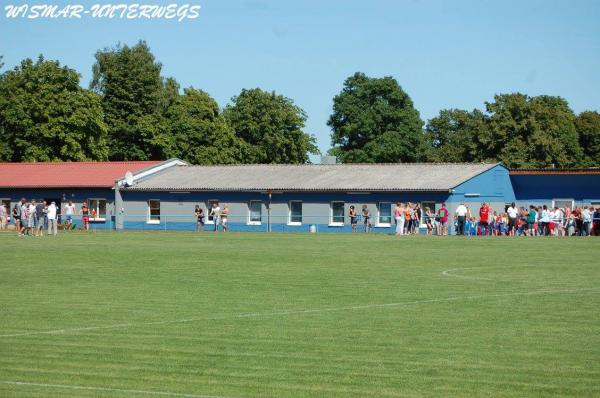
(290, 222)
(149, 220)
(380, 224)
(99, 219)
(209, 203)
(563, 200)
(331, 222)
(249, 221)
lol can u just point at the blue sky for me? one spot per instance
(445, 54)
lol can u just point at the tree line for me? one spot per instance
(131, 112)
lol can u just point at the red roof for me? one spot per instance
(67, 174)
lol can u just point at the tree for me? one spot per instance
(533, 132)
(271, 126)
(457, 136)
(200, 135)
(374, 120)
(133, 96)
(588, 128)
(46, 116)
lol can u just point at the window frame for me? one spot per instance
(563, 200)
(208, 204)
(296, 223)
(380, 224)
(250, 221)
(149, 219)
(333, 223)
(97, 219)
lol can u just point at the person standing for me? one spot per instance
(443, 220)
(224, 214)
(85, 216)
(416, 219)
(596, 221)
(484, 215)
(586, 218)
(545, 221)
(3, 216)
(399, 218)
(40, 216)
(16, 215)
(215, 213)
(367, 218)
(461, 218)
(353, 217)
(30, 218)
(52, 213)
(69, 213)
(407, 210)
(199, 214)
(512, 213)
(531, 218)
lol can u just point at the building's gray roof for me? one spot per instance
(339, 177)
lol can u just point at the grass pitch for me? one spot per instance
(256, 315)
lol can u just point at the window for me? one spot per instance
(560, 203)
(154, 211)
(210, 219)
(97, 209)
(255, 216)
(337, 214)
(385, 214)
(424, 206)
(295, 213)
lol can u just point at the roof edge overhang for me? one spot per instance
(353, 190)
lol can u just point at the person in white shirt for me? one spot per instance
(461, 217)
(3, 216)
(215, 213)
(69, 212)
(586, 218)
(513, 213)
(544, 220)
(52, 227)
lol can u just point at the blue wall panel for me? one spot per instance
(493, 185)
(543, 187)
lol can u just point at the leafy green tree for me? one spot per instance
(200, 135)
(533, 132)
(374, 120)
(271, 126)
(133, 98)
(457, 136)
(45, 115)
(588, 128)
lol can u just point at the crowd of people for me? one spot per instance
(514, 221)
(216, 214)
(34, 218)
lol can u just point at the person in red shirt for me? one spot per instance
(442, 216)
(484, 214)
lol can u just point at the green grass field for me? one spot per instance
(257, 315)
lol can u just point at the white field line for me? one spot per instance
(108, 389)
(299, 312)
(448, 272)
